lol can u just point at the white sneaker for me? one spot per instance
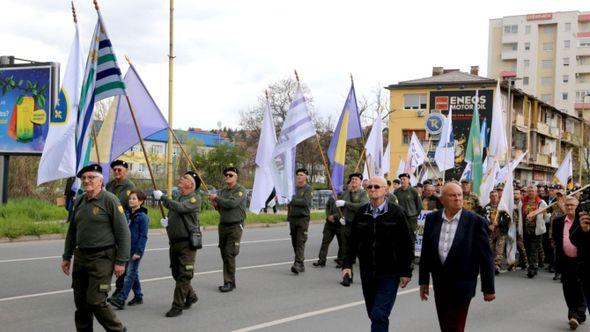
(573, 323)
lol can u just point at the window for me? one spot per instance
(547, 64)
(157, 149)
(407, 135)
(580, 94)
(141, 167)
(546, 80)
(584, 42)
(527, 46)
(565, 78)
(512, 29)
(525, 80)
(546, 97)
(415, 101)
(527, 29)
(566, 43)
(566, 62)
(564, 96)
(514, 46)
(131, 166)
(527, 63)
(568, 27)
(547, 46)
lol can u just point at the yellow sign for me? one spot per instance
(39, 117)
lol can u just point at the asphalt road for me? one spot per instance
(35, 295)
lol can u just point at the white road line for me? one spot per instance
(20, 297)
(312, 313)
(152, 249)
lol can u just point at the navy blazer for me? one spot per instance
(470, 254)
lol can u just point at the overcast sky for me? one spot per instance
(227, 52)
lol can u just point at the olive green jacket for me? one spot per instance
(300, 204)
(121, 190)
(410, 200)
(231, 204)
(354, 201)
(98, 222)
(184, 208)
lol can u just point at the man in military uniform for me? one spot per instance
(183, 214)
(518, 220)
(532, 237)
(430, 202)
(390, 196)
(121, 187)
(99, 239)
(498, 222)
(350, 202)
(410, 200)
(231, 204)
(298, 217)
(470, 199)
(332, 228)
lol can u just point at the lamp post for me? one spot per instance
(510, 81)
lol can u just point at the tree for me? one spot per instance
(211, 163)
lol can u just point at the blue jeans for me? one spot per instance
(131, 281)
(379, 293)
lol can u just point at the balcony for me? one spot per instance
(583, 69)
(554, 131)
(542, 159)
(519, 120)
(542, 128)
(579, 106)
(509, 55)
(554, 162)
(583, 51)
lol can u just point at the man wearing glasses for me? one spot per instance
(380, 238)
(121, 186)
(98, 237)
(231, 204)
(298, 216)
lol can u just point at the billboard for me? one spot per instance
(462, 102)
(26, 102)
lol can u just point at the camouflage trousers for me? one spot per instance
(498, 245)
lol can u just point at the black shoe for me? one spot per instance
(319, 264)
(119, 304)
(574, 323)
(227, 287)
(174, 312)
(301, 268)
(135, 301)
(497, 271)
(190, 300)
(294, 269)
(557, 276)
(346, 281)
(531, 274)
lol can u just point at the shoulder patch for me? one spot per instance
(193, 200)
(128, 192)
(240, 194)
(120, 208)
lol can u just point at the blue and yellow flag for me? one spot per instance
(473, 153)
(349, 127)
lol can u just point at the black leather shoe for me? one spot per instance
(118, 304)
(294, 269)
(300, 267)
(531, 274)
(135, 301)
(319, 264)
(346, 281)
(174, 312)
(227, 287)
(190, 300)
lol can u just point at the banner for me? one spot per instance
(420, 231)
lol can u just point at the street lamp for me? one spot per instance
(510, 81)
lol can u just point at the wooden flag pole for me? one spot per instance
(95, 142)
(169, 164)
(541, 210)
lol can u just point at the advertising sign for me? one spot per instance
(462, 102)
(25, 108)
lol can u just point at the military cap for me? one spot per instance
(419, 185)
(119, 162)
(397, 181)
(301, 170)
(90, 168)
(427, 182)
(404, 175)
(231, 169)
(195, 178)
(464, 181)
(358, 175)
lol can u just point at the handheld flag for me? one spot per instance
(564, 173)
(374, 149)
(473, 151)
(498, 146)
(445, 150)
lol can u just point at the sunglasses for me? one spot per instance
(374, 186)
(117, 169)
(228, 175)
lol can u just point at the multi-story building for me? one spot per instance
(546, 132)
(547, 55)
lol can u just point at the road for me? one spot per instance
(35, 295)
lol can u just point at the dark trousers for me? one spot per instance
(298, 228)
(182, 266)
(532, 244)
(229, 246)
(548, 249)
(331, 230)
(572, 289)
(379, 293)
(91, 282)
(452, 313)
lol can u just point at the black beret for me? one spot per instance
(231, 169)
(464, 181)
(427, 182)
(195, 177)
(419, 185)
(301, 170)
(396, 181)
(404, 175)
(358, 175)
(119, 162)
(89, 168)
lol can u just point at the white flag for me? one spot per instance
(487, 185)
(58, 160)
(565, 170)
(503, 173)
(298, 127)
(385, 162)
(498, 146)
(467, 174)
(374, 149)
(416, 153)
(401, 168)
(445, 150)
(507, 204)
(263, 184)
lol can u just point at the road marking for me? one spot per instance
(152, 249)
(312, 313)
(20, 297)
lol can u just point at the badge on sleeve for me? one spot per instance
(240, 194)
(128, 192)
(193, 200)
(120, 208)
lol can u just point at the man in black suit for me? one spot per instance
(568, 264)
(455, 248)
(380, 237)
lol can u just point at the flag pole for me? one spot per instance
(95, 142)
(364, 151)
(169, 164)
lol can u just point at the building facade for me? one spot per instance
(548, 56)
(546, 132)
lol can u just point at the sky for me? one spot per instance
(228, 51)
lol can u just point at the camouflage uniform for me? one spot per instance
(471, 203)
(498, 236)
